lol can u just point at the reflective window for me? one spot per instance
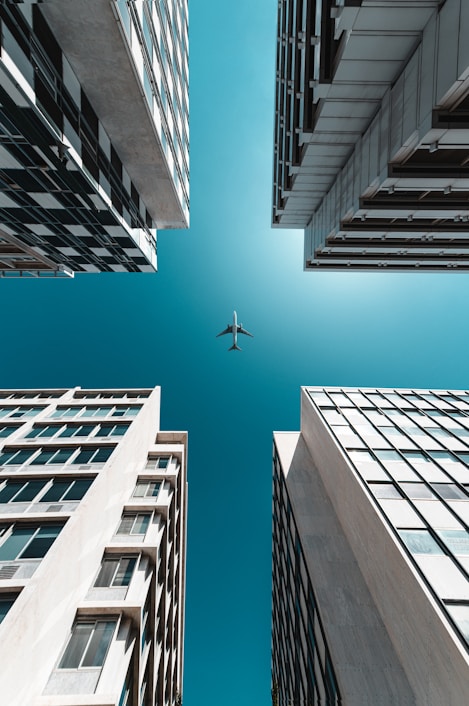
(88, 644)
(134, 523)
(147, 489)
(460, 615)
(6, 601)
(449, 491)
(27, 542)
(21, 491)
(48, 430)
(418, 490)
(67, 489)
(384, 490)
(456, 540)
(77, 430)
(15, 456)
(420, 542)
(7, 430)
(115, 571)
(159, 462)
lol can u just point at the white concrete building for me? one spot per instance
(92, 549)
(371, 550)
(372, 132)
(94, 133)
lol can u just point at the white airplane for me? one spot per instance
(234, 329)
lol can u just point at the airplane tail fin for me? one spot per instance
(234, 348)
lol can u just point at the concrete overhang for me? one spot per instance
(90, 36)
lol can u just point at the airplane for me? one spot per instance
(234, 329)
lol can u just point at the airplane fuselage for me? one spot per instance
(235, 329)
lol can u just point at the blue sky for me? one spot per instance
(310, 328)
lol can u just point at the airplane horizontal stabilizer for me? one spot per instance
(234, 348)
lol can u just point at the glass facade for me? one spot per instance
(302, 669)
(410, 450)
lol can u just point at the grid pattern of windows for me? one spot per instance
(58, 456)
(77, 207)
(302, 670)
(159, 31)
(411, 450)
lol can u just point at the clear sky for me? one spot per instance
(310, 328)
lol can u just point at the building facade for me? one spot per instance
(92, 549)
(94, 133)
(371, 132)
(371, 550)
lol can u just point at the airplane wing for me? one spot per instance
(229, 329)
(243, 330)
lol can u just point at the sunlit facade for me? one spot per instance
(371, 133)
(371, 549)
(94, 134)
(92, 549)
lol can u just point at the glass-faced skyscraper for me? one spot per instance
(94, 133)
(92, 549)
(371, 549)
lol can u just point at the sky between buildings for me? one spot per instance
(316, 328)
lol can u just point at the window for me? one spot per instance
(21, 491)
(48, 430)
(130, 411)
(66, 412)
(112, 429)
(67, 489)
(147, 489)
(460, 615)
(159, 462)
(456, 540)
(94, 454)
(52, 456)
(88, 644)
(449, 491)
(115, 571)
(15, 456)
(26, 541)
(385, 490)
(77, 430)
(7, 430)
(6, 601)
(134, 523)
(19, 412)
(97, 411)
(420, 542)
(418, 491)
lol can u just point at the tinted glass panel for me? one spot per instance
(38, 547)
(99, 643)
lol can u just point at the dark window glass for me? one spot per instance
(43, 539)
(6, 601)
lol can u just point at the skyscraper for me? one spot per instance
(94, 133)
(371, 144)
(92, 549)
(370, 549)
